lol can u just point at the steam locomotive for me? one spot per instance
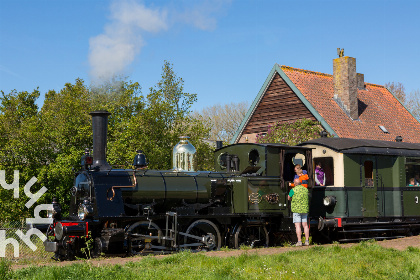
(244, 202)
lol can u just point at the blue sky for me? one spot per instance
(224, 50)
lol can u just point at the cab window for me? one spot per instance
(368, 173)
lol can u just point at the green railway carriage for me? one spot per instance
(367, 188)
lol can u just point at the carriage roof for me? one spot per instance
(271, 145)
(365, 146)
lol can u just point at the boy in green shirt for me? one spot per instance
(300, 209)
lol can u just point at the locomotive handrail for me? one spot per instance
(113, 191)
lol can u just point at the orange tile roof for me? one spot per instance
(377, 106)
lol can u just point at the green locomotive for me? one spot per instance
(244, 202)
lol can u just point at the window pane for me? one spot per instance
(368, 173)
(326, 165)
(412, 172)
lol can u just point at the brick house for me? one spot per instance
(342, 103)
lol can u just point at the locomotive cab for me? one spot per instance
(264, 172)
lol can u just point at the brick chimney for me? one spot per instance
(346, 82)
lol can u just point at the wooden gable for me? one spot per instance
(278, 104)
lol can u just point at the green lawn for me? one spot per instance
(366, 260)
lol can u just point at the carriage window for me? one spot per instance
(324, 168)
(412, 172)
(368, 173)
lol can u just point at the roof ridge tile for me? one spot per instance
(375, 85)
(305, 71)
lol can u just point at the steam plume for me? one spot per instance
(111, 52)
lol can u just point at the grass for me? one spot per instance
(27, 256)
(366, 260)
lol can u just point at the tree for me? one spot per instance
(156, 125)
(410, 101)
(66, 132)
(291, 133)
(224, 120)
(414, 103)
(171, 89)
(398, 90)
(19, 148)
(17, 112)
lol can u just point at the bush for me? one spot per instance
(291, 133)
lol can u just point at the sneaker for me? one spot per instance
(298, 244)
(306, 243)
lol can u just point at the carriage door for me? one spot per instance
(369, 187)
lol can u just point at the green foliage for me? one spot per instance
(155, 123)
(48, 143)
(88, 245)
(291, 133)
(245, 247)
(19, 150)
(65, 132)
(5, 269)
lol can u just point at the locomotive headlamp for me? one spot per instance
(329, 200)
(49, 214)
(59, 231)
(85, 210)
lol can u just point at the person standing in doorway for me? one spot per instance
(302, 175)
(300, 208)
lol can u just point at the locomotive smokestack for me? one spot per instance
(100, 127)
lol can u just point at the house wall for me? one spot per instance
(279, 104)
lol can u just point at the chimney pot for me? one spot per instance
(360, 81)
